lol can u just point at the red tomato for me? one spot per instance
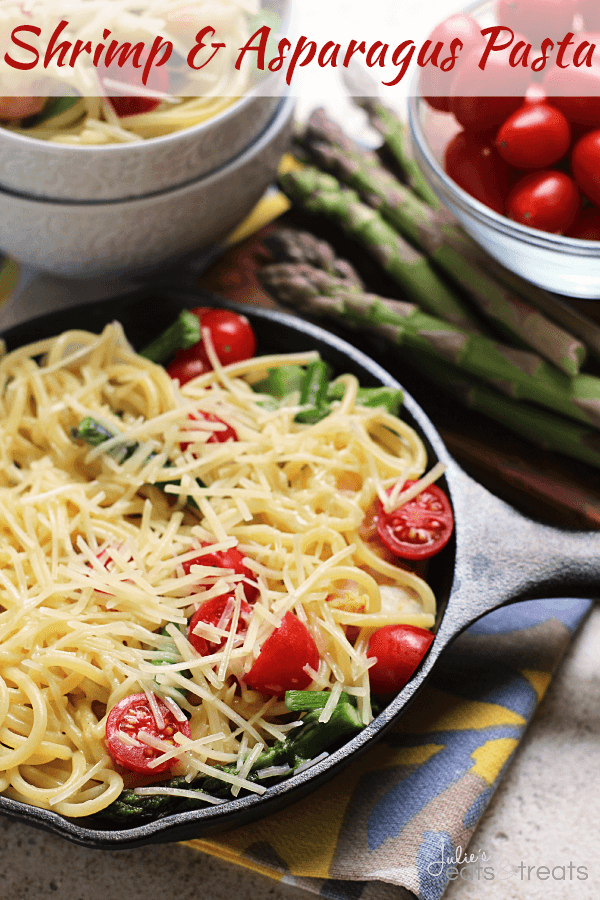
(232, 337)
(499, 89)
(575, 91)
(189, 364)
(434, 83)
(536, 136)
(585, 164)
(282, 659)
(548, 201)
(398, 649)
(133, 716)
(537, 19)
(130, 74)
(477, 167)
(217, 437)
(226, 559)
(587, 225)
(211, 613)
(420, 528)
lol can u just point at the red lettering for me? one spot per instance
(260, 48)
(494, 33)
(62, 49)
(31, 29)
(200, 45)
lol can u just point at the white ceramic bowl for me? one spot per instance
(118, 171)
(564, 265)
(83, 240)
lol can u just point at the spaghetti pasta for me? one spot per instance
(101, 571)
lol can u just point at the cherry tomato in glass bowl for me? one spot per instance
(548, 200)
(226, 559)
(576, 91)
(420, 528)
(476, 166)
(585, 165)
(434, 82)
(227, 433)
(589, 10)
(587, 225)
(129, 721)
(536, 136)
(537, 19)
(217, 611)
(481, 100)
(398, 650)
(280, 665)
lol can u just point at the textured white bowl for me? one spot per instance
(83, 240)
(118, 171)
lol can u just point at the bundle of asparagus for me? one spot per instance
(457, 361)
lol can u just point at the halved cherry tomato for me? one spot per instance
(587, 225)
(585, 164)
(420, 528)
(536, 136)
(128, 719)
(548, 201)
(211, 613)
(226, 559)
(537, 19)
(217, 437)
(130, 74)
(281, 662)
(476, 166)
(398, 649)
(434, 83)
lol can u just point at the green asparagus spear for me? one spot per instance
(94, 433)
(519, 374)
(441, 241)
(313, 393)
(292, 245)
(323, 194)
(183, 333)
(393, 131)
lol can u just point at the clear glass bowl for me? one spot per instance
(560, 264)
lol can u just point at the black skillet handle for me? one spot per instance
(502, 556)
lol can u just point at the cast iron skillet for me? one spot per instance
(497, 556)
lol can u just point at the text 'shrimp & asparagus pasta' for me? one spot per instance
(193, 589)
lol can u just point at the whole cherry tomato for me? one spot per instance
(434, 83)
(217, 437)
(283, 658)
(537, 19)
(189, 364)
(420, 528)
(585, 164)
(476, 166)
(482, 99)
(213, 612)
(536, 136)
(548, 201)
(575, 91)
(232, 337)
(398, 649)
(226, 559)
(128, 721)
(587, 225)
(130, 74)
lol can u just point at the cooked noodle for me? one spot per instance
(92, 557)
